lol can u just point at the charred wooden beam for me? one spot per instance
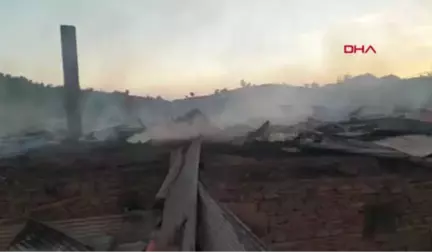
(71, 80)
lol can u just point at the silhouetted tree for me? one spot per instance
(347, 77)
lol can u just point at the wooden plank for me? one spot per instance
(179, 220)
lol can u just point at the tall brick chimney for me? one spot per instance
(71, 80)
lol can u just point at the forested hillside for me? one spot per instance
(26, 104)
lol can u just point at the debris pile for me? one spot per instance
(392, 137)
(104, 176)
(120, 132)
(127, 232)
(191, 125)
(37, 236)
(16, 144)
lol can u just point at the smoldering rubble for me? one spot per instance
(254, 166)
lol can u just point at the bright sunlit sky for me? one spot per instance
(172, 47)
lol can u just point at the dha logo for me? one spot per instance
(353, 49)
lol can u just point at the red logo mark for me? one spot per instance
(353, 49)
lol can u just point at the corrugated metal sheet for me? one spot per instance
(414, 145)
(96, 232)
(400, 125)
(220, 230)
(109, 224)
(353, 146)
(37, 236)
(7, 234)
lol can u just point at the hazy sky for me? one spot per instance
(171, 47)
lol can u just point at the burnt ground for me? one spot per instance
(81, 180)
(268, 161)
(322, 202)
(291, 201)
